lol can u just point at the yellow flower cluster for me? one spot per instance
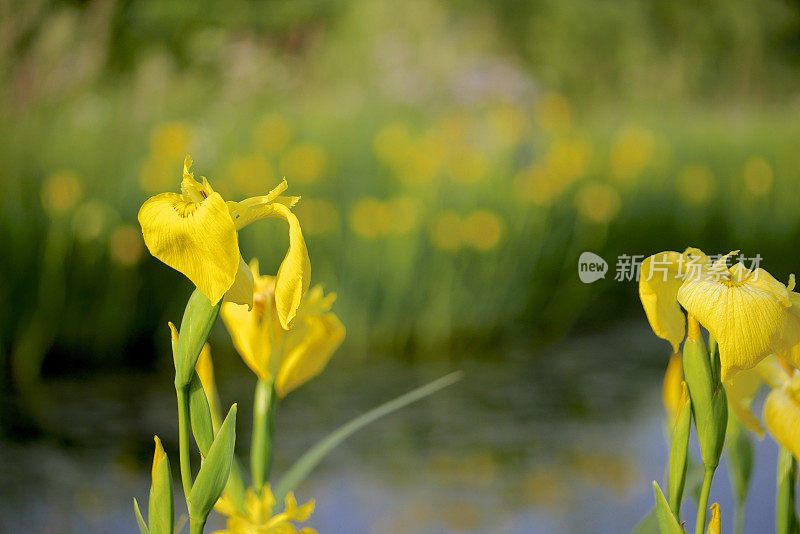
(258, 518)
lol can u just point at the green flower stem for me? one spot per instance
(785, 517)
(196, 526)
(702, 504)
(738, 518)
(265, 407)
(183, 440)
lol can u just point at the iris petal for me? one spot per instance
(746, 312)
(196, 238)
(241, 292)
(316, 341)
(782, 418)
(659, 281)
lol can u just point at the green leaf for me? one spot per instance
(306, 463)
(740, 460)
(213, 474)
(200, 415)
(678, 452)
(648, 524)
(666, 521)
(160, 510)
(139, 519)
(236, 487)
(198, 319)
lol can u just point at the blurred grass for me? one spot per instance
(453, 162)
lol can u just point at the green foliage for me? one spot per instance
(667, 523)
(785, 517)
(678, 454)
(213, 474)
(198, 320)
(200, 416)
(139, 519)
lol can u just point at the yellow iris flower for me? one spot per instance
(715, 525)
(195, 232)
(748, 312)
(289, 357)
(782, 413)
(258, 518)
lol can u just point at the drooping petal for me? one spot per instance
(196, 238)
(659, 281)
(746, 312)
(782, 418)
(308, 349)
(241, 292)
(256, 208)
(294, 273)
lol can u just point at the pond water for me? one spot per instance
(567, 439)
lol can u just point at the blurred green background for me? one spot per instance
(454, 159)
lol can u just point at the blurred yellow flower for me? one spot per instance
(304, 163)
(426, 158)
(370, 218)
(537, 185)
(782, 414)
(695, 184)
(482, 230)
(466, 165)
(598, 202)
(272, 134)
(445, 231)
(320, 216)
(568, 159)
(258, 517)
(195, 232)
(250, 174)
(392, 144)
(454, 128)
(91, 219)
(168, 144)
(289, 357)
(553, 113)
(126, 244)
(758, 176)
(508, 123)
(170, 141)
(405, 215)
(60, 192)
(631, 152)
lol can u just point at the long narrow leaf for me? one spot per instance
(213, 474)
(306, 463)
(139, 519)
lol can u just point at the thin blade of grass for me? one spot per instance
(306, 463)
